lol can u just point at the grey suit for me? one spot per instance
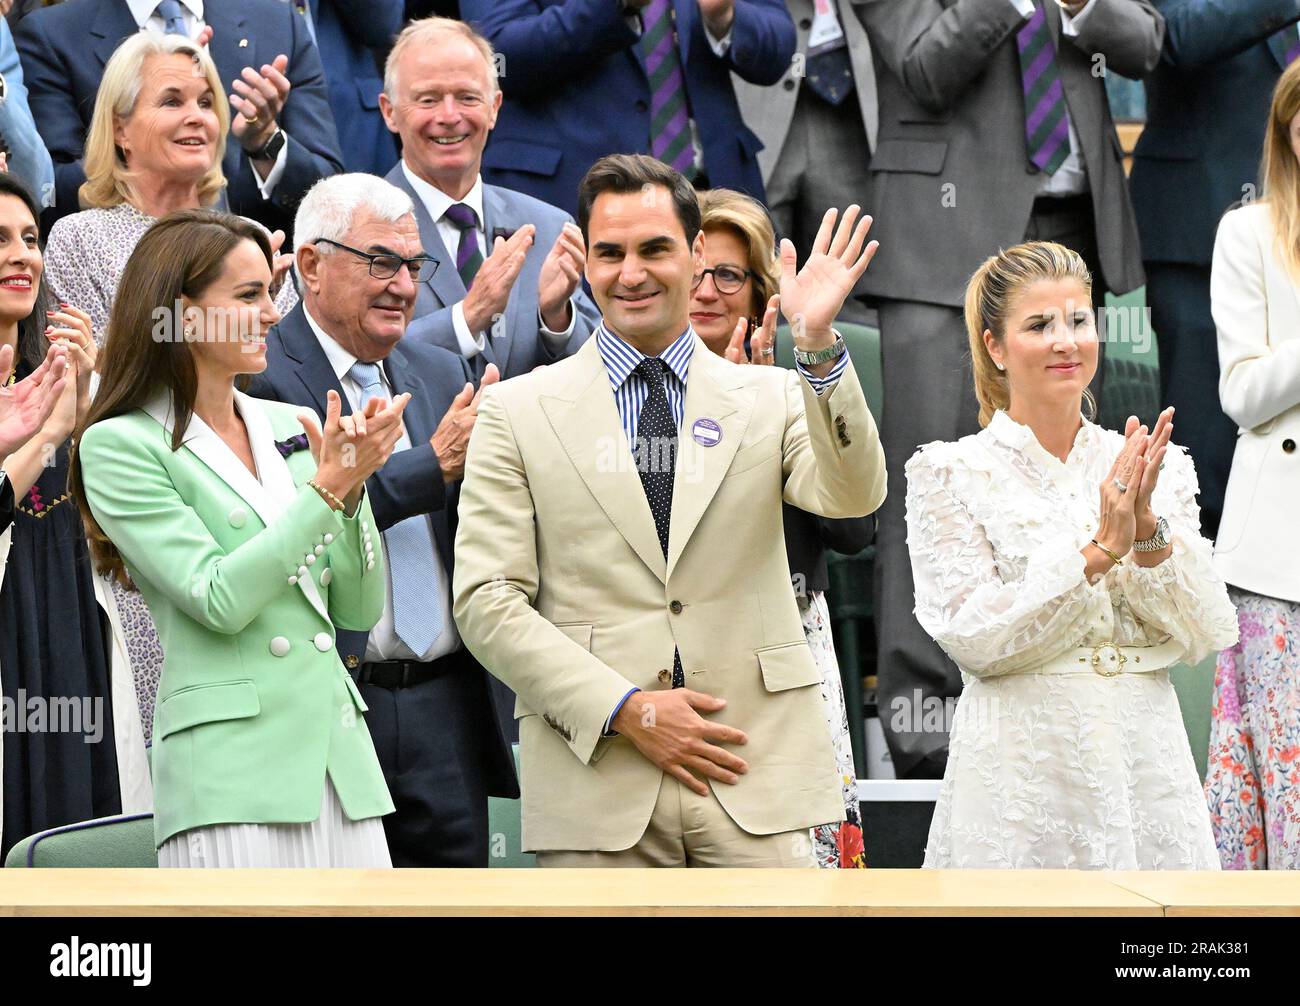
(514, 342)
(815, 155)
(952, 184)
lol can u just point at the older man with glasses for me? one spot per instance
(433, 718)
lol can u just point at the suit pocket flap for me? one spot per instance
(368, 90)
(788, 666)
(223, 700)
(516, 155)
(924, 157)
(580, 633)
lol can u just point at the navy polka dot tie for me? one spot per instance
(655, 451)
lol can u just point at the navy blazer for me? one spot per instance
(1207, 108)
(351, 36)
(576, 89)
(299, 372)
(64, 49)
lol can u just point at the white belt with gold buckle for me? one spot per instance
(1111, 659)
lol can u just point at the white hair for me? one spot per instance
(327, 210)
(427, 32)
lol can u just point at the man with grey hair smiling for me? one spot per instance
(510, 292)
(436, 727)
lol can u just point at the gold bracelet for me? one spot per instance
(334, 502)
(1114, 558)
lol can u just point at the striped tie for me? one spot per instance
(173, 17)
(1293, 44)
(1047, 121)
(670, 124)
(412, 566)
(468, 256)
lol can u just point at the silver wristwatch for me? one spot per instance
(1157, 541)
(832, 352)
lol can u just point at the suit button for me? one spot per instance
(1031, 168)
(309, 559)
(326, 575)
(237, 517)
(353, 661)
(788, 85)
(302, 571)
(279, 647)
(328, 538)
(641, 106)
(805, 23)
(675, 607)
(665, 676)
(1288, 445)
(323, 641)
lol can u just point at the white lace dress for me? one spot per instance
(1053, 770)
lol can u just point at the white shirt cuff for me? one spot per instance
(1025, 7)
(556, 340)
(267, 185)
(469, 343)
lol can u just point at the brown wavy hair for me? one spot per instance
(178, 258)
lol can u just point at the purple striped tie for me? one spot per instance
(468, 257)
(1047, 120)
(1293, 44)
(670, 124)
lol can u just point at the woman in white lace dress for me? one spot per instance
(1064, 613)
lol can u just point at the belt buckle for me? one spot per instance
(1108, 671)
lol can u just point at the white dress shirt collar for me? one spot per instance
(436, 201)
(340, 359)
(142, 10)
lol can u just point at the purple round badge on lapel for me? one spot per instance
(706, 432)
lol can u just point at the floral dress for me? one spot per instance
(1047, 769)
(1252, 780)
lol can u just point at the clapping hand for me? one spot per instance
(70, 327)
(1116, 524)
(258, 99)
(27, 404)
(450, 441)
(812, 296)
(1155, 452)
(352, 448)
(763, 344)
(559, 278)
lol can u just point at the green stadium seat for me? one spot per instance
(505, 831)
(124, 840)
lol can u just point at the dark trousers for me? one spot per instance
(432, 755)
(1179, 298)
(930, 395)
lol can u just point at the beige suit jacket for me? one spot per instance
(562, 591)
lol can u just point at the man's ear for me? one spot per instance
(387, 110)
(307, 260)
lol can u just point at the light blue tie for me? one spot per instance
(412, 566)
(173, 17)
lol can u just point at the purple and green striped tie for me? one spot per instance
(468, 256)
(1047, 120)
(670, 123)
(1293, 44)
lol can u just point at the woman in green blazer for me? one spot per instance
(247, 547)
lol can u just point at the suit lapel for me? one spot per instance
(713, 391)
(312, 368)
(585, 420)
(1279, 42)
(277, 482)
(112, 23)
(227, 32)
(496, 214)
(686, 14)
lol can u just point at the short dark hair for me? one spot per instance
(632, 173)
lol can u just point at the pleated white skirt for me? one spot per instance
(331, 840)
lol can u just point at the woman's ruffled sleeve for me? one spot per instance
(1184, 595)
(989, 625)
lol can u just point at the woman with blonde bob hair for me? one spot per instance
(1253, 774)
(1062, 569)
(734, 297)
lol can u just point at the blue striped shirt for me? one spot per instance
(630, 390)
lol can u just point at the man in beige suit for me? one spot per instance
(620, 560)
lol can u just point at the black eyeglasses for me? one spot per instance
(728, 279)
(386, 265)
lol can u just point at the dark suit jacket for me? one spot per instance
(411, 483)
(952, 179)
(1207, 108)
(515, 344)
(354, 36)
(807, 537)
(576, 89)
(64, 50)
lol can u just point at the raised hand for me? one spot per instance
(811, 297)
(281, 262)
(450, 441)
(1155, 456)
(559, 277)
(762, 346)
(26, 405)
(349, 449)
(1117, 523)
(70, 327)
(495, 279)
(258, 100)
(667, 728)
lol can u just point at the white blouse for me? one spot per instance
(1048, 769)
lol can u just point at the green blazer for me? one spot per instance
(245, 580)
